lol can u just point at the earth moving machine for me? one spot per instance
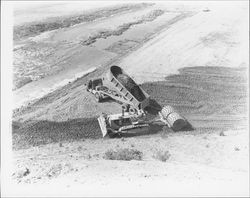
(116, 84)
(118, 124)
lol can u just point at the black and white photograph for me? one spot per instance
(125, 98)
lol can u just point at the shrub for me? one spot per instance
(23, 173)
(222, 133)
(123, 154)
(161, 155)
(236, 148)
(54, 171)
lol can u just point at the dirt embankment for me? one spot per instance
(123, 46)
(38, 55)
(152, 15)
(211, 98)
(35, 28)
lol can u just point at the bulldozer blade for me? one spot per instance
(102, 124)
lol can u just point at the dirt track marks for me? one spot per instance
(211, 98)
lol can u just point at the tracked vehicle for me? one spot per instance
(116, 84)
(118, 124)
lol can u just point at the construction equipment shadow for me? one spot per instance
(153, 129)
(154, 107)
(41, 132)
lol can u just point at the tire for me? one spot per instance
(125, 108)
(132, 110)
(98, 97)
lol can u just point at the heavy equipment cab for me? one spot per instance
(92, 84)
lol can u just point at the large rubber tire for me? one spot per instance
(98, 97)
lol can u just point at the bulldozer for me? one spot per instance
(118, 124)
(119, 86)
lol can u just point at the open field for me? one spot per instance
(192, 57)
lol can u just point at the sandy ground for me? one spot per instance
(209, 161)
(37, 11)
(215, 38)
(54, 56)
(194, 60)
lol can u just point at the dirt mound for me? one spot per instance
(131, 86)
(209, 97)
(42, 132)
